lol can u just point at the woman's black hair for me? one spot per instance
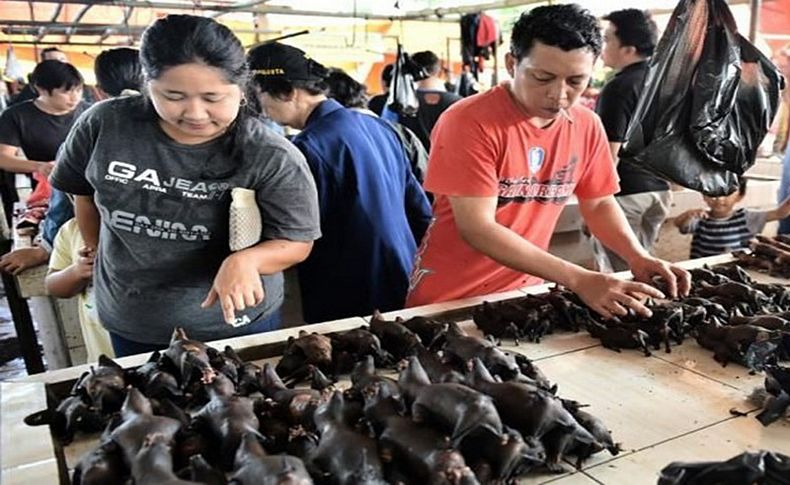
(52, 74)
(280, 87)
(567, 26)
(176, 40)
(117, 70)
(346, 90)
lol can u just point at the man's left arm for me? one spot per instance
(607, 222)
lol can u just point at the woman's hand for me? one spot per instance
(237, 286)
(45, 168)
(83, 267)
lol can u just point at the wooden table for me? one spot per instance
(661, 409)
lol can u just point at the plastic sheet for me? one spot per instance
(708, 101)
(762, 467)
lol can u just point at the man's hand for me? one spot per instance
(237, 286)
(678, 280)
(610, 296)
(21, 259)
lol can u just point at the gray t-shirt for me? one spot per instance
(164, 216)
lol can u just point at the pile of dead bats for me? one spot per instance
(769, 255)
(727, 312)
(461, 411)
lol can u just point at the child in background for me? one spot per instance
(722, 228)
(70, 274)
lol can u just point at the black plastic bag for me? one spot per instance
(777, 388)
(762, 467)
(403, 94)
(709, 99)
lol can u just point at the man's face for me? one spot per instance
(54, 56)
(548, 79)
(612, 53)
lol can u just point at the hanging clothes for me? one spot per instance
(480, 36)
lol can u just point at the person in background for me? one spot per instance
(28, 92)
(373, 210)
(53, 54)
(432, 95)
(152, 177)
(722, 228)
(71, 274)
(118, 72)
(783, 62)
(377, 102)
(38, 127)
(629, 41)
(505, 162)
(352, 94)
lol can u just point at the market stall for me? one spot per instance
(667, 407)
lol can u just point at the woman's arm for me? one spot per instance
(87, 219)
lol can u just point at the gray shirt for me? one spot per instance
(164, 215)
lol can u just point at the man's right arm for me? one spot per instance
(614, 147)
(475, 218)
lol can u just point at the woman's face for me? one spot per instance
(60, 100)
(195, 102)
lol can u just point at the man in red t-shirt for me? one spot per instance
(504, 163)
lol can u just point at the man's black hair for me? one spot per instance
(52, 74)
(428, 61)
(46, 51)
(635, 28)
(567, 26)
(346, 90)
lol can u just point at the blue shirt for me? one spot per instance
(373, 215)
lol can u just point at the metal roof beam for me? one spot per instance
(431, 14)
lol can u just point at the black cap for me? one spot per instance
(276, 60)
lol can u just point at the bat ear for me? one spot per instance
(105, 361)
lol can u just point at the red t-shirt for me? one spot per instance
(484, 146)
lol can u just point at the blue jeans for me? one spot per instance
(123, 346)
(60, 210)
(784, 190)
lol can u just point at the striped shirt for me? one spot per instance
(718, 236)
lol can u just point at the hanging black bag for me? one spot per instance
(709, 99)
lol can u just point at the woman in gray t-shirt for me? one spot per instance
(152, 177)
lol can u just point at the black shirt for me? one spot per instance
(616, 105)
(376, 103)
(37, 133)
(432, 105)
